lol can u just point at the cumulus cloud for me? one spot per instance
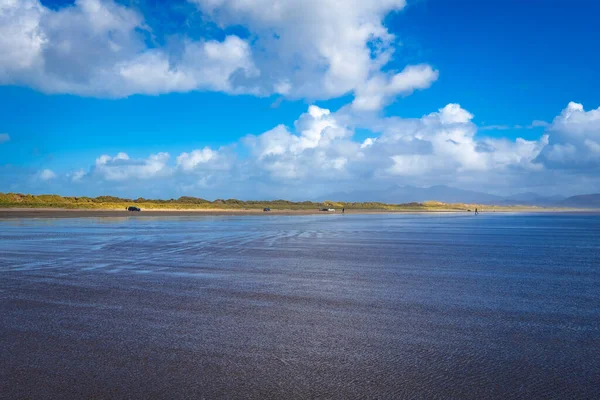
(319, 146)
(76, 176)
(323, 49)
(207, 65)
(321, 153)
(46, 175)
(444, 145)
(439, 147)
(574, 139)
(21, 39)
(121, 167)
(315, 48)
(4, 137)
(381, 89)
(368, 142)
(97, 48)
(296, 48)
(189, 161)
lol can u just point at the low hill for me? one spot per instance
(409, 194)
(531, 198)
(18, 200)
(446, 194)
(583, 201)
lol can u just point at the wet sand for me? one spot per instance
(86, 213)
(66, 213)
(370, 307)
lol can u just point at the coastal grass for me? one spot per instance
(18, 200)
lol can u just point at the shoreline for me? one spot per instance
(10, 213)
(108, 213)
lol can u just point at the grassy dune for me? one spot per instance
(17, 200)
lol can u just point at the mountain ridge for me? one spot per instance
(448, 194)
(582, 201)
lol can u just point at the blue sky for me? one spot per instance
(500, 96)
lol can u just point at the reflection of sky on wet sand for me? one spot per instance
(380, 306)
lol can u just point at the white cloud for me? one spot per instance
(189, 161)
(495, 128)
(379, 90)
(533, 125)
(4, 137)
(319, 153)
(452, 114)
(72, 50)
(121, 167)
(368, 142)
(443, 140)
(537, 124)
(440, 145)
(320, 145)
(97, 48)
(21, 38)
(77, 176)
(203, 65)
(46, 175)
(320, 49)
(320, 148)
(296, 48)
(316, 128)
(574, 139)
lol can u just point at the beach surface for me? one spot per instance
(83, 213)
(498, 306)
(8, 213)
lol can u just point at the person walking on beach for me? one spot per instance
(343, 209)
(476, 212)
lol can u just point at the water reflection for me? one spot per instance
(370, 306)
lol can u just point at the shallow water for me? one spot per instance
(325, 306)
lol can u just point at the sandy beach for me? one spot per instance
(108, 213)
(80, 213)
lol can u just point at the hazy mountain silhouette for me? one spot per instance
(531, 198)
(583, 201)
(446, 194)
(408, 194)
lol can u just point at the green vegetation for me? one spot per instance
(17, 200)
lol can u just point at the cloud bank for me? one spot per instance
(320, 153)
(574, 141)
(294, 48)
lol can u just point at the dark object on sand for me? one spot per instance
(266, 209)
(135, 209)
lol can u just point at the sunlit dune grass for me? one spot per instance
(16, 200)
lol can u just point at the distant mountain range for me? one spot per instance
(447, 194)
(583, 201)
